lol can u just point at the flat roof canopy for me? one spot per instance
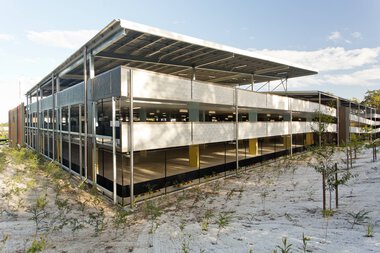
(139, 46)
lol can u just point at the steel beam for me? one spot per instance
(173, 64)
(205, 64)
(110, 41)
(163, 48)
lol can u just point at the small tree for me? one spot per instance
(324, 160)
(356, 144)
(374, 145)
(335, 178)
(347, 150)
(323, 121)
(323, 163)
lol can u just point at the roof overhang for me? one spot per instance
(140, 46)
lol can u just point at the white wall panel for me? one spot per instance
(252, 130)
(124, 136)
(158, 86)
(252, 99)
(356, 118)
(355, 130)
(161, 135)
(212, 94)
(278, 128)
(299, 127)
(298, 105)
(303, 106)
(328, 110)
(331, 128)
(205, 132)
(313, 126)
(277, 102)
(149, 135)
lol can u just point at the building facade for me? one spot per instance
(138, 112)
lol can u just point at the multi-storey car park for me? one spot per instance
(196, 112)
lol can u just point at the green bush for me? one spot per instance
(3, 162)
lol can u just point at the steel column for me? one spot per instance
(131, 141)
(252, 82)
(319, 120)
(85, 109)
(48, 133)
(69, 122)
(36, 141)
(237, 128)
(349, 127)
(359, 120)
(337, 121)
(93, 104)
(114, 151)
(59, 120)
(27, 121)
(80, 142)
(53, 113)
(291, 117)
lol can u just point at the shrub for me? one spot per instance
(285, 247)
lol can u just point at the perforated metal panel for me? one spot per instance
(72, 95)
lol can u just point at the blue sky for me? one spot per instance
(340, 38)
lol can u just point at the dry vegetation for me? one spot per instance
(272, 207)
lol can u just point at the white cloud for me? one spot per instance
(356, 35)
(6, 37)
(12, 97)
(348, 41)
(338, 37)
(366, 77)
(307, 82)
(338, 67)
(334, 36)
(61, 39)
(328, 59)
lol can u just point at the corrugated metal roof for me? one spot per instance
(139, 46)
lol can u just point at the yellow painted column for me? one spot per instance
(144, 153)
(253, 146)
(42, 143)
(58, 152)
(309, 139)
(287, 141)
(194, 156)
(95, 163)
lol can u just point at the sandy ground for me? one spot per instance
(250, 212)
